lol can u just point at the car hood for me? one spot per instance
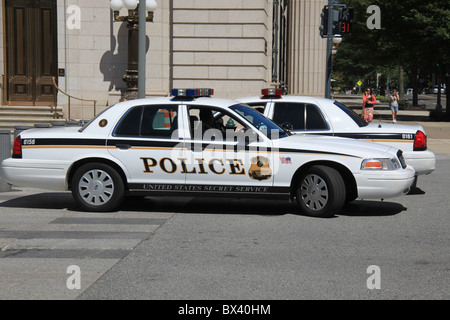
(336, 145)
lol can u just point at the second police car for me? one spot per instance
(192, 144)
(313, 115)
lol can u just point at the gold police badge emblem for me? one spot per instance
(260, 168)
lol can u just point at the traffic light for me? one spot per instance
(324, 22)
(342, 21)
(345, 21)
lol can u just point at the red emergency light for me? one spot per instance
(271, 92)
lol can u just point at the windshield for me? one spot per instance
(352, 114)
(266, 126)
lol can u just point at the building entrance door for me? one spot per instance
(31, 51)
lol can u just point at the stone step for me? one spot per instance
(13, 116)
(19, 108)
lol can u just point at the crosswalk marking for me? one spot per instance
(93, 236)
(43, 233)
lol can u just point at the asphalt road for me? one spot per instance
(429, 100)
(191, 249)
(263, 250)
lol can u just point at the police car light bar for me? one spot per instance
(192, 93)
(271, 92)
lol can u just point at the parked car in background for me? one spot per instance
(435, 90)
(320, 116)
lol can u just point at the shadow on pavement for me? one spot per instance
(360, 208)
(49, 200)
(60, 201)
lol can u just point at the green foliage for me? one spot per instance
(414, 34)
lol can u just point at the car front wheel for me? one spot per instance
(321, 191)
(97, 187)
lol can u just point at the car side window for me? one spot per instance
(159, 121)
(293, 113)
(149, 121)
(314, 118)
(212, 124)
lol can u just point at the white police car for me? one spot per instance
(191, 144)
(321, 116)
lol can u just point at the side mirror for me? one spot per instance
(287, 126)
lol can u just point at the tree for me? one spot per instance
(414, 34)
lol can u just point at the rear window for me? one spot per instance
(293, 113)
(302, 116)
(352, 114)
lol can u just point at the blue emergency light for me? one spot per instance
(192, 93)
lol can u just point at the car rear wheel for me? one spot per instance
(321, 191)
(97, 187)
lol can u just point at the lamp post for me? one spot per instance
(136, 18)
(336, 40)
(331, 51)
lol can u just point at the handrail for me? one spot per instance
(69, 96)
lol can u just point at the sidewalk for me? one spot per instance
(438, 137)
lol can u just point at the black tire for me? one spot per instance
(321, 192)
(97, 187)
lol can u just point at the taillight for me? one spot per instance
(420, 141)
(17, 148)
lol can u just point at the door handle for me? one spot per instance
(123, 146)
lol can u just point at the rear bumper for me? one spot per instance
(41, 174)
(383, 185)
(424, 162)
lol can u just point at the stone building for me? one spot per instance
(236, 47)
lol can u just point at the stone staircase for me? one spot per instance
(13, 116)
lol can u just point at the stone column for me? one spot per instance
(306, 49)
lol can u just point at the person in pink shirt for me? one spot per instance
(369, 102)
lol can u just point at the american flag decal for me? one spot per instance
(286, 160)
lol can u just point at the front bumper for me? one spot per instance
(43, 174)
(383, 185)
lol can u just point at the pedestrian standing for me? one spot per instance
(394, 105)
(368, 104)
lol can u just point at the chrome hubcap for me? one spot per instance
(96, 187)
(314, 192)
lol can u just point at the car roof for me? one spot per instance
(211, 101)
(330, 109)
(306, 99)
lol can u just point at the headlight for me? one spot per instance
(380, 164)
